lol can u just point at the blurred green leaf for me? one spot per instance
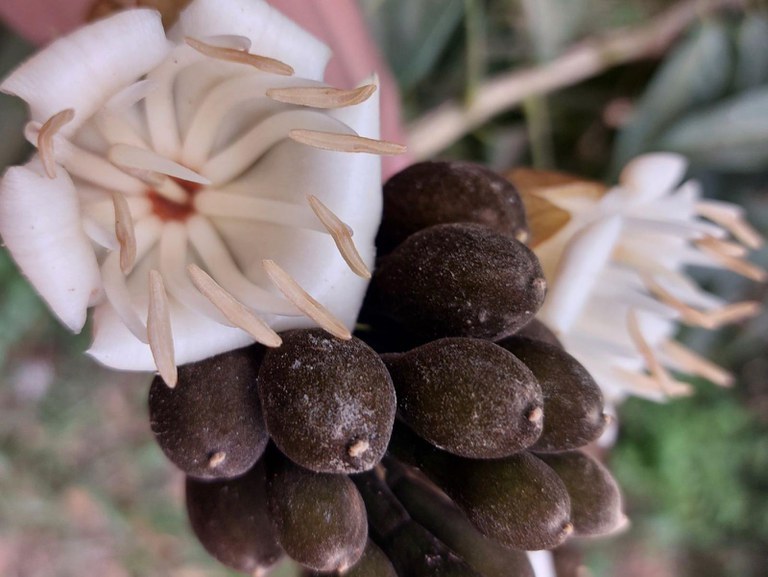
(732, 135)
(695, 73)
(413, 35)
(553, 24)
(752, 44)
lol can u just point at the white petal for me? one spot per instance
(271, 33)
(40, 225)
(82, 70)
(652, 175)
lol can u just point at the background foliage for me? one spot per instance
(83, 485)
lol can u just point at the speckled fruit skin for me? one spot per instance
(320, 519)
(457, 280)
(323, 397)
(538, 331)
(373, 563)
(214, 409)
(231, 521)
(468, 397)
(573, 402)
(440, 192)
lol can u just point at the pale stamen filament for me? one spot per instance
(263, 63)
(159, 331)
(322, 96)
(132, 157)
(730, 218)
(222, 268)
(233, 41)
(737, 265)
(116, 130)
(342, 236)
(304, 301)
(345, 142)
(130, 95)
(724, 247)
(124, 232)
(114, 282)
(677, 228)
(687, 360)
(232, 309)
(45, 139)
(173, 267)
(241, 154)
(657, 370)
(230, 205)
(643, 384)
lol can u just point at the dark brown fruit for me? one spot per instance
(439, 515)
(538, 331)
(231, 521)
(373, 563)
(329, 404)
(468, 397)
(413, 550)
(320, 519)
(596, 505)
(430, 193)
(457, 280)
(573, 402)
(517, 501)
(211, 425)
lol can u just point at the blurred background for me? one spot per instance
(85, 490)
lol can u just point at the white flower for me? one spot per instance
(192, 188)
(615, 262)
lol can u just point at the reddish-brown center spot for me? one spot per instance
(167, 209)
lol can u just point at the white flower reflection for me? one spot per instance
(195, 189)
(615, 261)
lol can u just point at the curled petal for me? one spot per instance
(653, 175)
(79, 70)
(40, 224)
(270, 32)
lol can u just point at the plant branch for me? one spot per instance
(447, 123)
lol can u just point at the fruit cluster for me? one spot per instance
(441, 440)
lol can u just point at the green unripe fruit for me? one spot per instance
(230, 519)
(573, 402)
(468, 397)
(596, 505)
(319, 519)
(436, 192)
(211, 424)
(329, 404)
(457, 280)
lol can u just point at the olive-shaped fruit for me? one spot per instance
(373, 563)
(596, 504)
(413, 550)
(433, 510)
(320, 519)
(573, 402)
(230, 519)
(211, 425)
(538, 331)
(469, 397)
(457, 280)
(442, 192)
(517, 500)
(329, 404)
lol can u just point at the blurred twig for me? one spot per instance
(444, 125)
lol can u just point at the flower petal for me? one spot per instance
(271, 33)
(652, 175)
(40, 225)
(79, 70)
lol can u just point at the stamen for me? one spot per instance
(233, 309)
(124, 155)
(322, 96)
(711, 319)
(658, 372)
(694, 363)
(222, 267)
(263, 63)
(723, 247)
(643, 384)
(159, 332)
(230, 205)
(737, 265)
(342, 236)
(124, 232)
(45, 139)
(304, 302)
(344, 142)
(729, 217)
